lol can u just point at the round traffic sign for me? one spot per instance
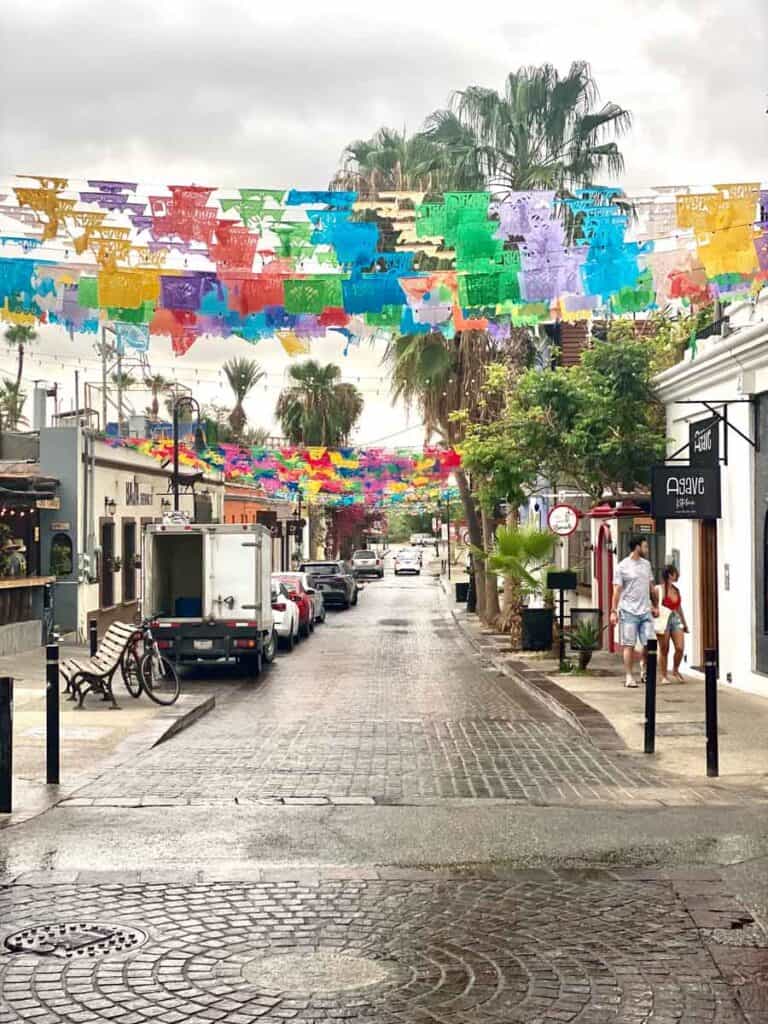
(563, 519)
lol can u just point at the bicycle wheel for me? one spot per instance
(159, 678)
(132, 676)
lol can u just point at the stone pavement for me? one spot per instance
(534, 947)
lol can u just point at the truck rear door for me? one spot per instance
(232, 584)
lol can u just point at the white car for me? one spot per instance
(407, 561)
(285, 616)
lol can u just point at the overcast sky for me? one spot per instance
(234, 93)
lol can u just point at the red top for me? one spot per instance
(672, 599)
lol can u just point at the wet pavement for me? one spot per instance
(386, 830)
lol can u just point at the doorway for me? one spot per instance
(707, 587)
(107, 587)
(604, 573)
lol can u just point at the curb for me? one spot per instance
(167, 722)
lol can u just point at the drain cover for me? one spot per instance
(320, 973)
(75, 939)
(394, 622)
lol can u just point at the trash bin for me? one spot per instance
(462, 592)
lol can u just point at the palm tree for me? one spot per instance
(156, 383)
(18, 337)
(541, 133)
(317, 407)
(393, 160)
(12, 400)
(520, 555)
(243, 375)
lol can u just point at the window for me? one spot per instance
(129, 560)
(61, 555)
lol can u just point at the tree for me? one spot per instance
(393, 160)
(542, 132)
(446, 379)
(157, 384)
(598, 424)
(18, 337)
(12, 400)
(242, 375)
(317, 407)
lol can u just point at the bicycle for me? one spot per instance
(146, 669)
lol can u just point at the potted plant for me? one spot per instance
(585, 640)
(521, 555)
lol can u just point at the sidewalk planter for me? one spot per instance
(538, 625)
(462, 592)
(585, 634)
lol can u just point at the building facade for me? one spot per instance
(724, 562)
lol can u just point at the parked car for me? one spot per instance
(316, 596)
(298, 594)
(285, 614)
(407, 561)
(367, 563)
(335, 581)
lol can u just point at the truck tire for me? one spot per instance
(270, 648)
(252, 665)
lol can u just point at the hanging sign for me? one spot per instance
(704, 438)
(563, 520)
(685, 492)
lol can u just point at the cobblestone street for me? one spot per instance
(253, 868)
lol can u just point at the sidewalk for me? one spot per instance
(92, 739)
(614, 716)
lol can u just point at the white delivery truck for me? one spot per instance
(207, 589)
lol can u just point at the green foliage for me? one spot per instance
(317, 407)
(12, 400)
(597, 424)
(586, 636)
(19, 336)
(521, 553)
(242, 375)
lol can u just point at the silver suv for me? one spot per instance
(367, 563)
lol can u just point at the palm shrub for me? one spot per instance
(521, 554)
(242, 375)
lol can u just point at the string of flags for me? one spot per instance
(187, 261)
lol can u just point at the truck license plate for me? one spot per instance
(203, 645)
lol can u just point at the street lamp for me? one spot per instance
(182, 402)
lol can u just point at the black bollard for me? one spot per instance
(6, 744)
(93, 637)
(710, 698)
(52, 717)
(651, 649)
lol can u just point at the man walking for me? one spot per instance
(635, 603)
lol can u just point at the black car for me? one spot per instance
(334, 580)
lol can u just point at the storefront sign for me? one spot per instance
(60, 527)
(54, 504)
(644, 524)
(704, 439)
(563, 520)
(686, 492)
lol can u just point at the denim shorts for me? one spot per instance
(674, 623)
(635, 627)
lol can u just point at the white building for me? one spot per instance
(724, 563)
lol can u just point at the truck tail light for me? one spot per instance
(279, 606)
(245, 644)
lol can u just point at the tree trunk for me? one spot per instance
(512, 598)
(492, 610)
(475, 530)
(20, 368)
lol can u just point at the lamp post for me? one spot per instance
(184, 401)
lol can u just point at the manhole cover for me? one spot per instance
(318, 973)
(75, 939)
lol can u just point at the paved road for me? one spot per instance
(384, 831)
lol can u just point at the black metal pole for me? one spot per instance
(448, 524)
(710, 689)
(651, 654)
(93, 637)
(52, 717)
(175, 482)
(562, 629)
(6, 744)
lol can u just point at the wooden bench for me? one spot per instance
(95, 675)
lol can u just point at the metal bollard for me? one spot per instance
(6, 744)
(710, 698)
(650, 695)
(93, 637)
(52, 716)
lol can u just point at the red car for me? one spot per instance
(302, 599)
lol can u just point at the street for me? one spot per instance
(383, 829)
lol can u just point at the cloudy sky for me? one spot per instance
(246, 93)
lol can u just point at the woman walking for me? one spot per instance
(671, 623)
